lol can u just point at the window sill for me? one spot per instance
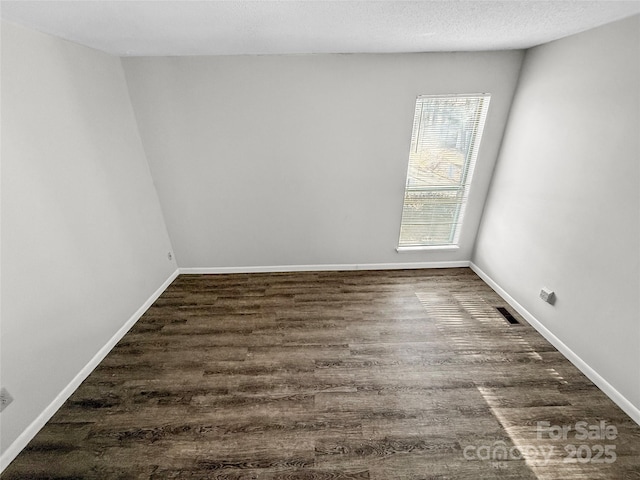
(427, 248)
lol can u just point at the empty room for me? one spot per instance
(320, 240)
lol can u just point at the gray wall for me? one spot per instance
(84, 243)
(564, 206)
(301, 160)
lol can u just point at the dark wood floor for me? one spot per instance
(380, 375)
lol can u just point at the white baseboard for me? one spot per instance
(27, 435)
(628, 407)
(316, 268)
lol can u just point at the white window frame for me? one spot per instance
(466, 177)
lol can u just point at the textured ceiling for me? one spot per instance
(289, 27)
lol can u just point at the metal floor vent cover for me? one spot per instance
(510, 318)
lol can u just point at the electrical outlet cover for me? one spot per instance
(5, 398)
(548, 295)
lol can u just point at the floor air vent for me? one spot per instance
(510, 318)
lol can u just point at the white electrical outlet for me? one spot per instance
(5, 398)
(548, 295)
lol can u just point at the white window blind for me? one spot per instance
(444, 145)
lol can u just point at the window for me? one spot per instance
(444, 146)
